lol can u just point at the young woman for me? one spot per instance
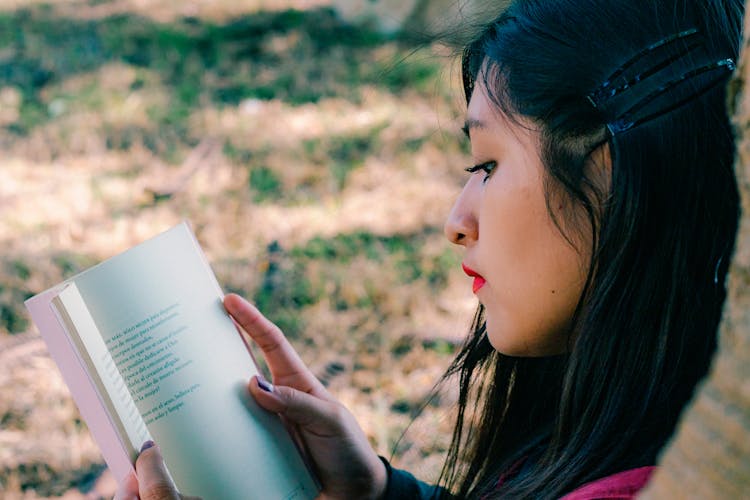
(598, 223)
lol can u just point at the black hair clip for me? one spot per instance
(608, 89)
(628, 119)
(643, 87)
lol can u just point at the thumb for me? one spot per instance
(154, 482)
(309, 412)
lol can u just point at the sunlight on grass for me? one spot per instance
(315, 160)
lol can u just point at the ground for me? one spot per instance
(315, 160)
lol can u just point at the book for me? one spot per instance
(148, 351)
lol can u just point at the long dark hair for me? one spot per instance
(644, 331)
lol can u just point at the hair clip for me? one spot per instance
(631, 100)
(627, 120)
(608, 90)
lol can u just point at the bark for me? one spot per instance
(709, 456)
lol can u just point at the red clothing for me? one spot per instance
(621, 486)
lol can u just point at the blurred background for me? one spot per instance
(315, 149)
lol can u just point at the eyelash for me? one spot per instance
(487, 167)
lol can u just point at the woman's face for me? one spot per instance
(526, 274)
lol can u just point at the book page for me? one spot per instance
(109, 383)
(160, 314)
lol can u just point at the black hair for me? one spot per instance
(661, 237)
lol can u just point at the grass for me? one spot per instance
(322, 267)
(263, 56)
(265, 183)
(315, 160)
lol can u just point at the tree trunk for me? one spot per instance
(709, 456)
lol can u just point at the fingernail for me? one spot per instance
(264, 384)
(148, 444)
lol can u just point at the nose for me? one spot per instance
(461, 227)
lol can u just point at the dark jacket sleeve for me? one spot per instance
(403, 485)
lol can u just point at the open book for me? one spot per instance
(148, 352)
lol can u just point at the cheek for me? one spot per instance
(514, 237)
(535, 275)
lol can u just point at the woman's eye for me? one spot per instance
(487, 167)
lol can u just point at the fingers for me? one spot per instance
(316, 415)
(154, 482)
(285, 364)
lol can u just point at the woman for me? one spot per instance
(598, 224)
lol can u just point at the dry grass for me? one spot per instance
(316, 170)
(162, 10)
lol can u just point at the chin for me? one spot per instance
(514, 346)
(510, 349)
(501, 341)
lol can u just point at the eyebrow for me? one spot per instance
(472, 123)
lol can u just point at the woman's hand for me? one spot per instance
(345, 462)
(153, 482)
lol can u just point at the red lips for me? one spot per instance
(479, 281)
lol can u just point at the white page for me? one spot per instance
(159, 311)
(116, 397)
